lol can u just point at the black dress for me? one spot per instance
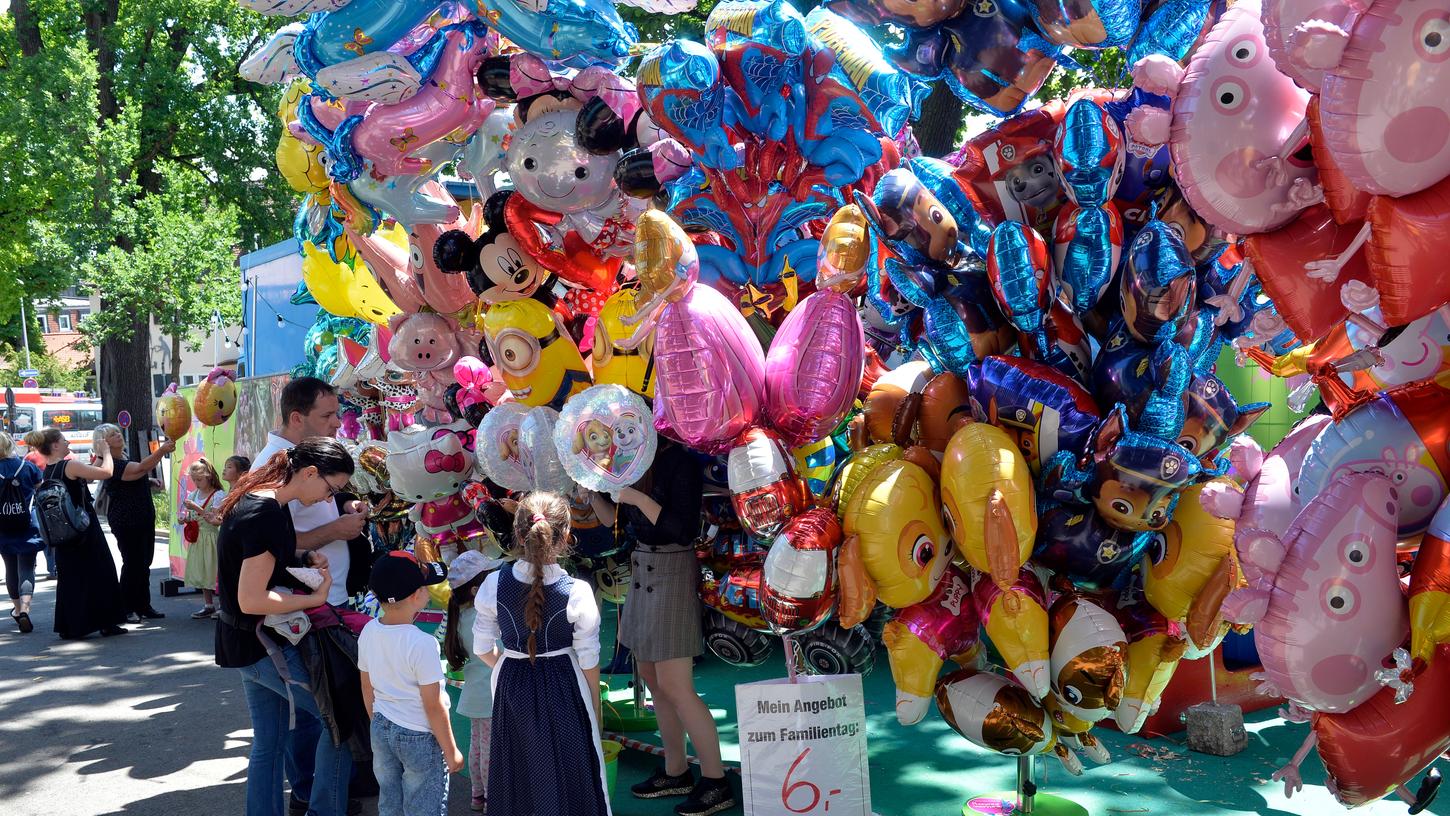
(87, 594)
(132, 517)
(544, 760)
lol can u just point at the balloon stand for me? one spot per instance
(626, 709)
(1025, 799)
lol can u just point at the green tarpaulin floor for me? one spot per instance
(928, 770)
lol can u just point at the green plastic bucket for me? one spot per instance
(611, 764)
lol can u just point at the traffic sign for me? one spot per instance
(124, 419)
(29, 372)
(30, 382)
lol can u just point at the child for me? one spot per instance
(545, 754)
(465, 576)
(202, 516)
(402, 686)
(235, 468)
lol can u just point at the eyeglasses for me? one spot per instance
(332, 489)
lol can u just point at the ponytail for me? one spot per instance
(462, 596)
(541, 529)
(324, 453)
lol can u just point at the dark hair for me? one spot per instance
(541, 535)
(49, 438)
(322, 452)
(462, 596)
(300, 395)
(243, 463)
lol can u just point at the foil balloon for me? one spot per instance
(499, 454)
(910, 216)
(1383, 99)
(1191, 566)
(759, 45)
(1154, 651)
(423, 342)
(353, 29)
(1101, 24)
(614, 364)
(992, 712)
(681, 87)
(1088, 654)
(496, 267)
(1020, 270)
(1015, 620)
(1238, 141)
(1430, 589)
(988, 502)
(1310, 305)
(1159, 286)
(905, 15)
(922, 637)
(1088, 235)
(1333, 609)
(216, 397)
(799, 577)
(537, 432)
(1174, 28)
(1009, 169)
(855, 469)
(535, 354)
(560, 29)
(896, 549)
(889, 396)
(173, 413)
(1282, 18)
(1073, 540)
(605, 438)
(1041, 409)
(344, 289)
(1134, 479)
(763, 484)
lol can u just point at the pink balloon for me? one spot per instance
(710, 371)
(389, 264)
(1385, 102)
(1281, 18)
(445, 292)
(813, 371)
(1335, 609)
(1234, 115)
(422, 342)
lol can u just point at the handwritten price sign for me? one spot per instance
(803, 746)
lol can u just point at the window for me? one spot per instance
(190, 379)
(24, 421)
(72, 419)
(64, 321)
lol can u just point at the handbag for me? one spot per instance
(191, 528)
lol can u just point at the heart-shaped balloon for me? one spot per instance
(498, 448)
(537, 452)
(605, 438)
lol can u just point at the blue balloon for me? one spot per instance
(1021, 275)
(1074, 541)
(565, 28)
(1160, 286)
(892, 97)
(1146, 168)
(1095, 25)
(760, 44)
(1089, 153)
(344, 162)
(358, 28)
(936, 176)
(683, 91)
(1174, 27)
(1087, 244)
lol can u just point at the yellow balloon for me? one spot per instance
(537, 357)
(1192, 566)
(904, 549)
(856, 468)
(987, 494)
(343, 290)
(613, 365)
(1152, 660)
(1017, 626)
(299, 162)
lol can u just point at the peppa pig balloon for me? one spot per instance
(605, 438)
(423, 342)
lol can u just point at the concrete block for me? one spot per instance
(1216, 729)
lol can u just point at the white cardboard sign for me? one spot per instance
(803, 746)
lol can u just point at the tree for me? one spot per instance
(1101, 69)
(166, 156)
(54, 373)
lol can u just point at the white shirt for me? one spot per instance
(398, 659)
(581, 611)
(310, 517)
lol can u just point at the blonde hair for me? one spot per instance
(105, 429)
(541, 536)
(206, 467)
(7, 446)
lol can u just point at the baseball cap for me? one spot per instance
(399, 574)
(468, 565)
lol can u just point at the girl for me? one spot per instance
(255, 545)
(203, 508)
(661, 623)
(87, 594)
(20, 540)
(465, 575)
(545, 755)
(132, 517)
(235, 468)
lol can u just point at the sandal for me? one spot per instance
(23, 621)
(203, 613)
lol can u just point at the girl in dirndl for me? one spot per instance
(203, 514)
(541, 631)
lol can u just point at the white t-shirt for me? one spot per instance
(398, 659)
(310, 517)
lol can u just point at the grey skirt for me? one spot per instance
(661, 618)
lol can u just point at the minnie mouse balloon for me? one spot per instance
(498, 450)
(604, 438)
(536, 448)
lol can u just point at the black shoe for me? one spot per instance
(709, 796)
(110, 631)
(23, 621)
(354, 807)
(1425, 796)
(295, 806)
(151, 614)
(661, 784)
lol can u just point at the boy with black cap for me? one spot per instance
(402, 683)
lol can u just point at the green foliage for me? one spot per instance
(657, 28)
(54, 373)
(1101, 69)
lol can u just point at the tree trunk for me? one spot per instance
(126, 380)
(942, 115)
(27, 27)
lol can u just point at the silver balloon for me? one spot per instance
(536, 447)
(498, 450)
(606, 438)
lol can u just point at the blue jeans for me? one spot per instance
(331, 765)
(19, 574)
(412, 776)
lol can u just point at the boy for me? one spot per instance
(402, 685)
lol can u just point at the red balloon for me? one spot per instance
(1406, 252)
(1311, 307)
(763, 484)
(798, 592)
(1346, 202)
(1009, 169)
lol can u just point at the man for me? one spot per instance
(308, 407)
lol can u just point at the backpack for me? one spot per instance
(62, 521)
(14, 508)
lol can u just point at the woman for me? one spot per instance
(32, 441)
(87, 595)
(661, 623)
(255, 546)
(202, 516)
(19, 537)
(132, 516)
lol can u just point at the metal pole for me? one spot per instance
(1026, 784)
(24, 331)
(1212, 680)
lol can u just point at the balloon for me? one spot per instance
(896, 548)
(495, 265)
(356, 28)
(423, 342)
(1406, 234)
(682, 90)
(386, 255)
(1159, 286)
(537, 434)
(995, 713)
(425, 464)
(813, 370)
(1383, 98)
(763, 484)
(1010, 170)
(344, 290)
(300, 162)
(1101, 24)
(906, 212)
(906, 15)
(855, 469)
(499, 453)
(1191, 566)
(1020, 269)
(560, 29)
(535, 354)
(1347, 202)
(943, 411)
(987, 497)
(173, 413)
(1087, 238)
(1043, 410)
(1281, 19)
(216, 396)
(1016, 622)
(604, 438)
(1430, 589)
(1073, 540)
(1333, 607)
(799, 586)
(632, 368)
(1154, 651)
(1088, 654)
(1174, 28)
(1309, 304)
(1234, 116)
(921, 637)
(483, 155)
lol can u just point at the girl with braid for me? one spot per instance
(539, 630)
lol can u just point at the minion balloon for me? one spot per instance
(538, 359)
(633, 368)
